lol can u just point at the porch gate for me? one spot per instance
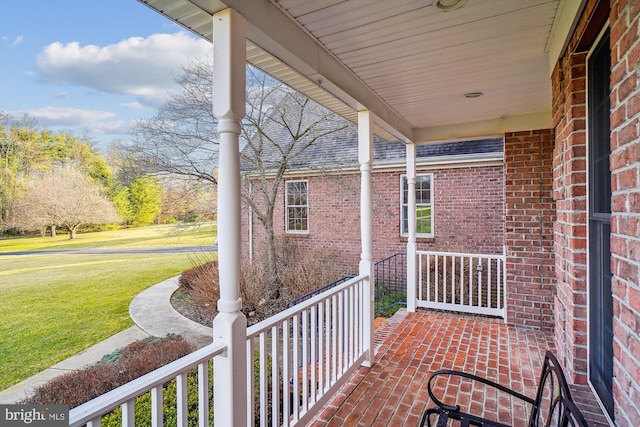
(462, 282)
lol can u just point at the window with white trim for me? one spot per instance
(297, 207)
(424, 204)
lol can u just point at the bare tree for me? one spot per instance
(181, 138)
(280, 124)
(188, 200)
(62, 198)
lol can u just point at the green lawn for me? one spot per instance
(53, 306)
(152, 236)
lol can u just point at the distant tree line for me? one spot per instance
(53, 181)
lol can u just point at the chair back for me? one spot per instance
(553, 405)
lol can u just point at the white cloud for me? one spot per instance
(133, 105)
(13, 42)
(92, 122)
(65, 116)
(142, 67)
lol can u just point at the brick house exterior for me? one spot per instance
(468, 200)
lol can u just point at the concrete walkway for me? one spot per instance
(153, 315)
(151, 311)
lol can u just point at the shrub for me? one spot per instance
(306, 271)
(202, 282)
(169, 398)
(142, 411)
(299, 272)
(120, 367)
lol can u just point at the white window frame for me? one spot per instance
(287, 206)
(403, 181)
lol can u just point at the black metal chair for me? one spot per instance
(552, 406)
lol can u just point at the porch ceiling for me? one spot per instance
(405, 60)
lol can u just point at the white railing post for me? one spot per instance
(411, 217)
(230, 325)
(365, 157)
(503, 284)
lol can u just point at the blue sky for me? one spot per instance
(89, 66)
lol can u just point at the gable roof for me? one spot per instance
(339, 151)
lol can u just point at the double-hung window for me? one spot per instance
(424, 204)
(297, 207)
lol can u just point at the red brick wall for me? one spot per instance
(530, 212)
(570, 190)
(468, 212)
(625, 217)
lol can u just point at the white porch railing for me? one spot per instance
(307, 351)
(469, 283)
(304, 354)
(124, 396)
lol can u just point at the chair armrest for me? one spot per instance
(456, 408)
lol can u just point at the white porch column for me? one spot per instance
(365, 157)
(230, 325)
(411, 217)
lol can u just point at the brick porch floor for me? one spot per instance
(410, 346)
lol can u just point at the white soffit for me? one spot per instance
(405, 60)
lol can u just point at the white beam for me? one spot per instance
(486, 128)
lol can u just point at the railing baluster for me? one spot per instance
(295, 375)
(251, 384)
(181, 399)
(499, 301)
(203, 394)
(327, 341)
(321, 333)
(480, 284)
(96, 422)
(286, 383)
(437, 274)
(453, 279)
(351, 324)
(263, 379)
(471, 274)
(430, 286)
(489, 283)
(420, 277)
(445, 281)
(275, 375)
(341, 332)
(156, 406)
(305, 360)
(503, 281)
(359, 301)
(462, 299)
(129, 413)
(334, 338)
(313, 363)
